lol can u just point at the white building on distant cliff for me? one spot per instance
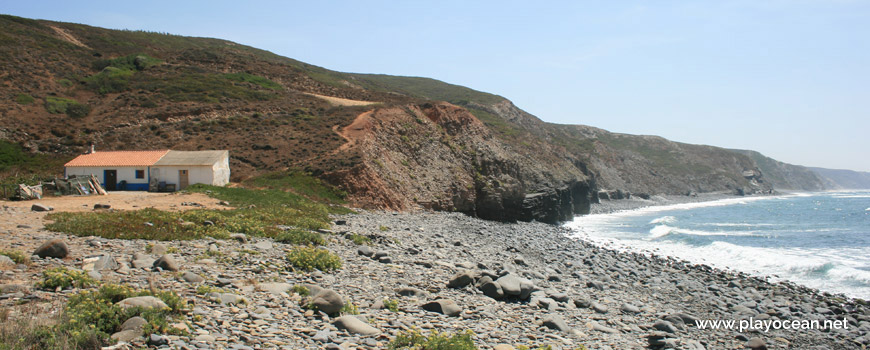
(162, 170)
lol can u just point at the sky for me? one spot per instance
(787, 78)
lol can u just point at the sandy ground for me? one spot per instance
(131, 200)
(23, 230)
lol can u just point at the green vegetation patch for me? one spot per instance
(414, 340)
(298, 182)
(391, 304)
(300, 237)
(24, 99)
(193, 85)
(115, 74)
(260, 213)
(72, 108)
(253, 79)
(16, 256)
(63, 278)
(311, 258)
(20, 167)
(95, 312)
(359, 239)
(88, 320)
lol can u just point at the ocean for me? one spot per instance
(820, 240)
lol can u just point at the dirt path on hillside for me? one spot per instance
(354, 131)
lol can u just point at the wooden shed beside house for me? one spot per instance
(152, 170)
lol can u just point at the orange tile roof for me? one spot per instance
(118, 158)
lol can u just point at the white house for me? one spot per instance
(152, 170)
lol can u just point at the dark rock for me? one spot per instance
(461, 279)
(665, 326)
(240, 237)
(554, 321)
(444, 306)
(166, 263)
(102, 206)
(365, 251)
(55, 248)
(328, 301)
(40, 207)
(385, 260)
(410, 292)
(492, 289)
(157, 340)
(191, 277)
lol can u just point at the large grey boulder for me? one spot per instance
(492, 289)
(328, 301)
(355, 325)
(510, 284)
(554, 321)
(461, 279)
(166, 263)
(55, 248)
(444, 306)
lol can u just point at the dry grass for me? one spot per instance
(32, 326)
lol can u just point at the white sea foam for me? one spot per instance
(839, 270)
(823, 269)
(664, 220)
(660, 231)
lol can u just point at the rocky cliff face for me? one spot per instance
(838, 179)
(784, 176)
(439, 156)
(640, 164)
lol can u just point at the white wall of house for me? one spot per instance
(221, 171)
(196, 174)
(124, 173)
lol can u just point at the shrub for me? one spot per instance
(310, 258)
(391, 304)
(359, 239)
(253, 79)
(349, 309)
(94, 312)
(300, 237)
(16, 256)
(24, 99)
(383, 228)
(301, 290)
(206, 290)
(72, 108)
(414, 340)
(64, 278)
(77, 110)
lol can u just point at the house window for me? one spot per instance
(140, 174)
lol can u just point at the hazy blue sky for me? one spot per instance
(788, 78)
